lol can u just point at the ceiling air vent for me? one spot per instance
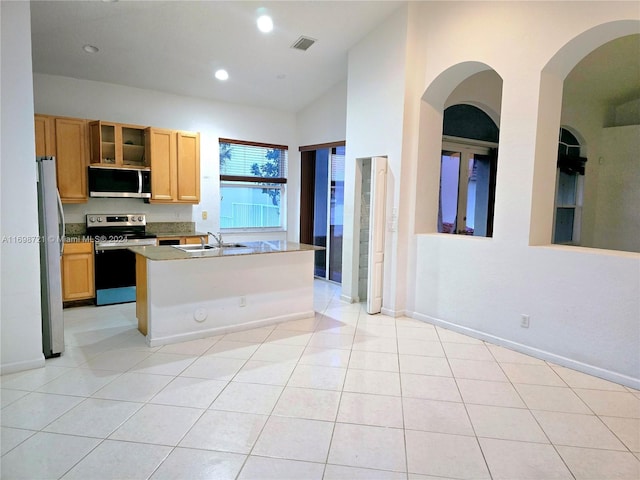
(303, 43)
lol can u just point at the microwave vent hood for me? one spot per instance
(112, 182)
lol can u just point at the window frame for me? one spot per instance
(241, 181)
(577, 169)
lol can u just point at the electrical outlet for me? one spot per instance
(204, 214)
(243, 301)
(524, 321)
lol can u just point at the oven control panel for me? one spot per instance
(116, 220)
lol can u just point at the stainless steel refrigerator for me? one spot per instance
(51, 225)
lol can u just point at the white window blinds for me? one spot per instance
(242, 161)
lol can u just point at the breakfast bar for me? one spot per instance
(195, 291)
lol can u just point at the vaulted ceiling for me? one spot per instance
(175, 46)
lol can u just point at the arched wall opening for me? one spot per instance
(582, 303)
(467, 83)
(558, 79)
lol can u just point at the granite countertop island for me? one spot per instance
(221, 290)
(170, 252)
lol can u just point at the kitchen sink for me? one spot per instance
(194, 248)
(206, 247)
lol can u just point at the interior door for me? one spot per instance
(376, 234)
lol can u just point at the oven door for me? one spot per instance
(115, 272)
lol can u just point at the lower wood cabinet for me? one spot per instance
(182, 240)
(77, 271)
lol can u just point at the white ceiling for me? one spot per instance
(175, 46)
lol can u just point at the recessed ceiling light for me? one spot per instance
(222, 74)
(265, 23)
(90, 49)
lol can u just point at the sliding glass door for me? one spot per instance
(322, 207)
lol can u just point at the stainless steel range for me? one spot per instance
(115, 265)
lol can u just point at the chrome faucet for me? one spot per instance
(217, 238)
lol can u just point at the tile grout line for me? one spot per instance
(533, 416)
(404, 426)
(464, 403)
(344, 381)
(248, 455)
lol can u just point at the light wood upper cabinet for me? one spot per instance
(188, 167)
(173, 156)
(78, 272)
(66, 139)
(161, 145)
(118, 145)
(44, 136)
(175, 166)
(103, 143)
(71, 158)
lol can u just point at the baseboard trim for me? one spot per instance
(393, 313)
(534, 352)
(14, 367)
(348, 299)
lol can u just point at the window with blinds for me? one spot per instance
(253, 178)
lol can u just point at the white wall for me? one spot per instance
(618, 213)
(627, 114)
(584, 304)
(375, 111)
(20, 331)
(324, 120)
(65, 96)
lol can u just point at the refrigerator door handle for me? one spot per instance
(61, 224)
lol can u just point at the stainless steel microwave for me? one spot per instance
(119, 182)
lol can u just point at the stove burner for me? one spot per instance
(113, 231)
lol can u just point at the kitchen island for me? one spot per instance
(184, 295)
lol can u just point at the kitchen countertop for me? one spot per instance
(249, 248)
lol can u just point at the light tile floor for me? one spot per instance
(343, 395)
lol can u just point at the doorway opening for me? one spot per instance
(322, 207)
